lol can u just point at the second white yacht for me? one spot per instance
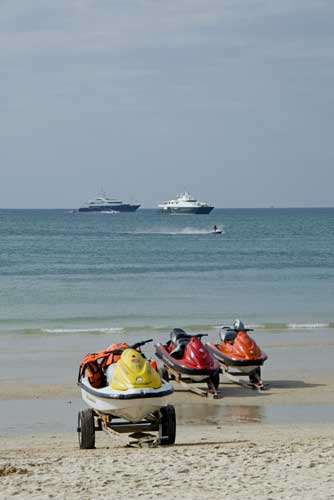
(185, 204)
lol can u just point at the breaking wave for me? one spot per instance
(292, 326)
(74, 330)
(166, 328)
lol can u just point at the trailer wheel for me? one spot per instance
(167, 426)
(255, 376)
(86, 429)
(163, 372)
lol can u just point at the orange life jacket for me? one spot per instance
(154, 364)
(95, 363)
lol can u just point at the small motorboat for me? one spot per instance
(119, 384)
(216, 230)
(239, 355)
(186, 360)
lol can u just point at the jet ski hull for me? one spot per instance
(180, 366)
(242, 364)
(132, 404)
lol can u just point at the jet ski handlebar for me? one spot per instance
(139, 344)
(133, 346)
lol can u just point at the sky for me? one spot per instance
(230, 99)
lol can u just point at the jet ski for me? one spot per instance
(120, 383)
(217, 231)
(186, 359)
(238, 354)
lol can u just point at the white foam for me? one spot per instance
(82, 330)
(296, 326)
(285, 326)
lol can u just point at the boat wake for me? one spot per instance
(182, 232)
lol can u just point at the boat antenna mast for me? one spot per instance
(102, 192)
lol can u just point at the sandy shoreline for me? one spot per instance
(264, 462)
(240, 460)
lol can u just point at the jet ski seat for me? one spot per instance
(180, 339)
(227, 335)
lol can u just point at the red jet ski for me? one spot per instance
(186, 359)
(238, 354)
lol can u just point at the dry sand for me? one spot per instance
(226, 460)
(262, 462)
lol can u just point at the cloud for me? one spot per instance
(131, 79)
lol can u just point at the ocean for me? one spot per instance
(74, 283)
(66, 272)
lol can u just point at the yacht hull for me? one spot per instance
(114, 208)
(186, 210)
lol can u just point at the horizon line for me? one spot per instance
(273, 207)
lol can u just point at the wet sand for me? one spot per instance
(34, 408)
(267, 445)
(270, 445)
(311, 389)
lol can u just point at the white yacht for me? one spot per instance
(103, 203)
(185, 204)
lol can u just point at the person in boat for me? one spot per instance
(230, 334)
(215, 228)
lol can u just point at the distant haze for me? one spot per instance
(230, 99)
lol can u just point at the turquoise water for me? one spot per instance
(61, 271)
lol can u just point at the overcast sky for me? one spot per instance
(230, 99)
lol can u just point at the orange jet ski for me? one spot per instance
(239, 355)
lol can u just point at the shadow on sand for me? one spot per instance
(292, 384)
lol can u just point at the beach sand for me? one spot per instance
(245, 445)
(238, 462)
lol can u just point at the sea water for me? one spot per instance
(62, 271)
(73, 283)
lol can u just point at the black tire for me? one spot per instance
(215, 379)
(86, 429)
(255, 376)
(163, 372)
(167, 426)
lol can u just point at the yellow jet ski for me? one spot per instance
(120, 383)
